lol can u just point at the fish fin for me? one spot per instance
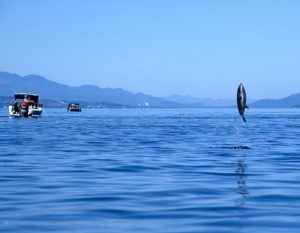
(244, 119)
(247, 107)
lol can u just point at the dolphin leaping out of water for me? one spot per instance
(241, 101)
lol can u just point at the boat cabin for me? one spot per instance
(74, 107)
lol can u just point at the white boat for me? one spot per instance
(32, 107)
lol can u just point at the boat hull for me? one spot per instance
(74, 110)
(30, 112)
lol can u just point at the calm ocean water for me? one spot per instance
(151, 171)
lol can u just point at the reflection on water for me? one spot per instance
(241, 182)
(242, 191)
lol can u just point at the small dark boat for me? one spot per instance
(74, 107)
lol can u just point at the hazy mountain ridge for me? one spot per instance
(47, 89)
(206, 102)
(291, 101)
(54, 94)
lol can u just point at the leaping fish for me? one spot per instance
(241, 101)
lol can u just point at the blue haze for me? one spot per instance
(150, 171)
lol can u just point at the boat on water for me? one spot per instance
(25, 105)
(74, 107)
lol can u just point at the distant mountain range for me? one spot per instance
(186, 99)
(58, 95)
(292, 101)
(13, 83)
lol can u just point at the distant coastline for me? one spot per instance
(56, 95)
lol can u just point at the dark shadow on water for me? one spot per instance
(239, 147)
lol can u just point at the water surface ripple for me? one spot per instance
(151, 171)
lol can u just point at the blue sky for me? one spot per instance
(159, 47)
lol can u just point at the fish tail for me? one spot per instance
(244, 119)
